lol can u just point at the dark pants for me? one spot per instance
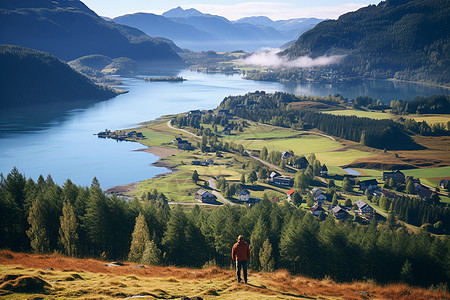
(241, 265)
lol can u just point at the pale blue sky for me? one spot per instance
(233, 9)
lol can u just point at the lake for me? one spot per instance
(59, 139)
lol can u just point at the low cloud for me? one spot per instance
(269, 58)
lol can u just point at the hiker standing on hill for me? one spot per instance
(240, 254)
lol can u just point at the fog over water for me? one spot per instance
(59, 139)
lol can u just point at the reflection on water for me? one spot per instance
(59, 140)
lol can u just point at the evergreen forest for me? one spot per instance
(44, 217)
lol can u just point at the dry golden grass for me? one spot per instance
(436, 154)
(90, 278)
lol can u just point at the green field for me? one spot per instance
(153, 138)
(429, 173)
(360, 113)
(340, 158)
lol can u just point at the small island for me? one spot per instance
(157, 79)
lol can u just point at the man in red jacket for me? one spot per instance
(240, 254)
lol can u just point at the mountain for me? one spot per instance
(30, 77)
(69, 29)
(192, 29)
(406, 40)
(156, 25)
(291, 28)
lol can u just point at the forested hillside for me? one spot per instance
(32, 77)
(281, 109)
(406, 40)
(79, 221)
(69, 29)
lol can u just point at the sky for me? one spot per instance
(233, 9)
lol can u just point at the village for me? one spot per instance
(219, 174)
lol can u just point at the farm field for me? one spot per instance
(430, 118)
(360, 113)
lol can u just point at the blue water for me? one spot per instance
(59, 140)
(352, 172)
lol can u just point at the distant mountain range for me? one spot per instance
(30, 77)
(401, 39)
(69, 29)
(192, 29)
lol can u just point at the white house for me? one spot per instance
(244, 196)
(318, 194)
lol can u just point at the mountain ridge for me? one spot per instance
(31, 77)
(405, 40)
(198, 31)
(69, 29)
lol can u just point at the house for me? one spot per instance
(286, 155)
(339, 213)
(397, 176)
(424, 194)
(364, 209)
(283, 180)
(176, 140)
(184, 145)
(244, 196)
(195, 113)
(273, 175)
(318, 195)
(205, 196)
(131, 134)
(302, 162)
(209, 161)
(316, 209)
(443, 184)
(389, 194)
(140, 135)
(370, 184)
(418, 186)
(324, 170)
(289, 194)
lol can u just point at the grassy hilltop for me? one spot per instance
(26, 276)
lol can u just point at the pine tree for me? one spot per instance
(140, 239)
(335, 200)
(410, 188)
(37, 231)
(243, 179)
(68, 236)
(263, 154)
(297, 198)
(259, 235)
(252, 177)
(266, 257)
(407, 273)
(195, 176)
(151, 254)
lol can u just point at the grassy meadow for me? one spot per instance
(25, 276)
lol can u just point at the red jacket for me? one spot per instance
(240, 251)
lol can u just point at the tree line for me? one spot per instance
(79, 221)
(279, 109)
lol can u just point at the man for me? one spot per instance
(240, 254)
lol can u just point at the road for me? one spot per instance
(212, 184)
(263, 162)
(303, 131)
(179, 129)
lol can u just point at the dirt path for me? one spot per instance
(185, 131)
(302, 131)
(212, 184)
(263, 162)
